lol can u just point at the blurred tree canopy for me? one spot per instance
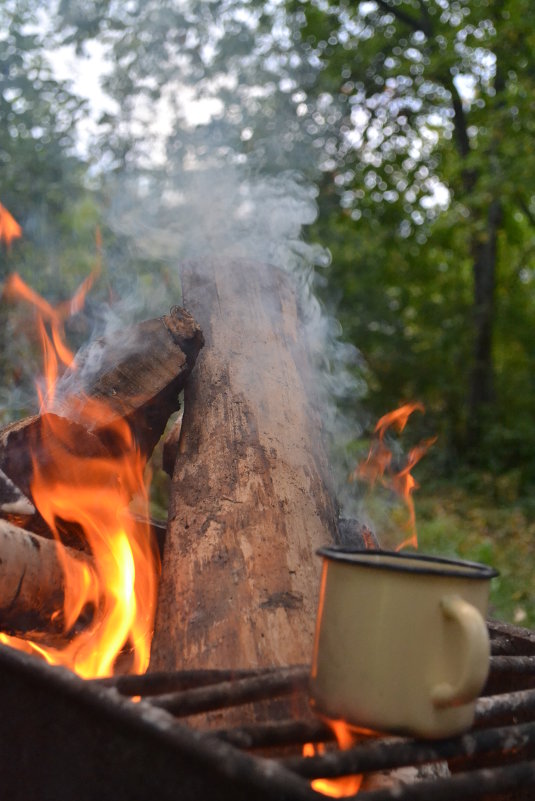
(41, 177)
(415, 118)
(42, 184)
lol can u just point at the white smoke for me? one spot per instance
(226, 213)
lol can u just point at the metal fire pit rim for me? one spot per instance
(213, 753)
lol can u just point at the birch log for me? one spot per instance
(250, 498)
(32, 580)
(12, 499)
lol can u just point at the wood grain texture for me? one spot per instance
(251, 500)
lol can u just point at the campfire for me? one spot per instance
(80, 568)
(230, 591)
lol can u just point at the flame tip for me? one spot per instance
(378, 464)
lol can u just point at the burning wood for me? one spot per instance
(81, 462)
(32, 580)
(379, 468)
(31, 441)
(138, 379)
(9, 227)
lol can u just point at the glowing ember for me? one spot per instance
(92, 493)
(345, 785)
(378, 465)
(9, 227)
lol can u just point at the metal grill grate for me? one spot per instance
(63, 738)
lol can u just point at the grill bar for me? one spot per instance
(281, 733)
(519, 637)
(233, 693)
(396, 753)
(159, 683)
(513, 664)
(508, 706)
(491, 710)
(477, 784)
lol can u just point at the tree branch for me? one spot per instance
(459, 119)
(525, 209)
(423, 23)
(401, 15)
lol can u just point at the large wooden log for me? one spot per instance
(250, 499)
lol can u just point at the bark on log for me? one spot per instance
(32, 581)
(250, 500)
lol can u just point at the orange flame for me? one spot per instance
(9, 227)
(377, 466)
(92, 492)
(343, 786)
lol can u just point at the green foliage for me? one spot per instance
(409, 115)
(456, 522)
(39, 172)
(439, 99)
(414, 118)
(41, 184)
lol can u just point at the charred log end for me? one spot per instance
(185, 332)
(355, 534)
(148, 422)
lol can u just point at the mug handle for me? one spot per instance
(477, 652)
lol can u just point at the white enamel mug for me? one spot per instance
(401, 641)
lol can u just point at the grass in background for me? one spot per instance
(497, 531)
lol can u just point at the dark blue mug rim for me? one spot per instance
(428, 565)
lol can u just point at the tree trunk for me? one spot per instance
(481, 390)
(250, 498)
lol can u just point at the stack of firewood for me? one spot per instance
(139, 376)
(251, 496)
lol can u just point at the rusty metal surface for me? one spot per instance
(65, 739)
(62, 738)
